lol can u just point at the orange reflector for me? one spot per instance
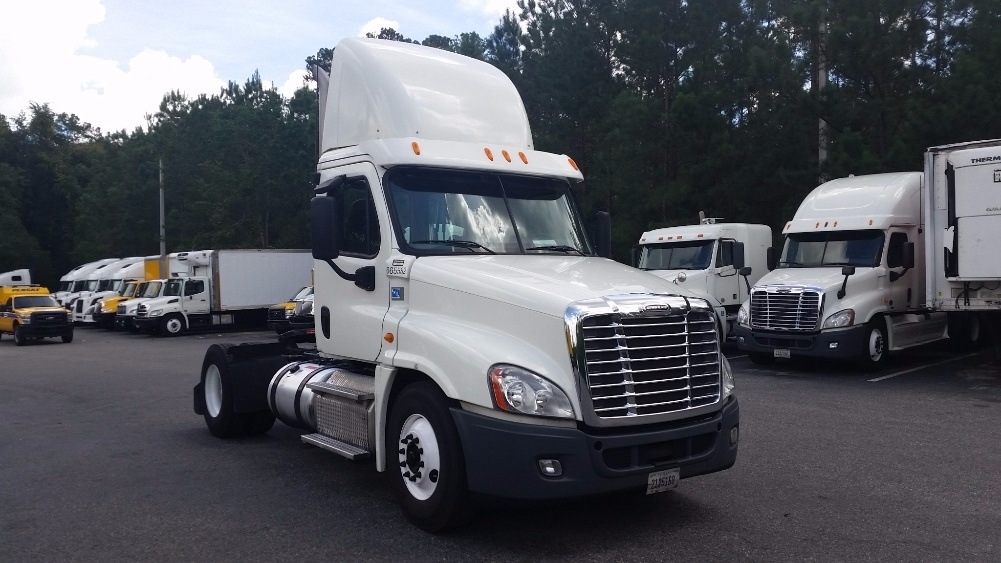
(389, 337)
(817, 225)
(679, 237)
(506, 156)
(835, 224)
(489, 154)
(870, 221)
(788, 225)
(660, 238)
(700, 235)
(825, 223)
(416, 147)
(573, 164)
(523, 157)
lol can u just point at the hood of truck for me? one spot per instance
(695, 280)
(820, 278)
(542, 283)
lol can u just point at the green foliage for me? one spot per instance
(669, 107)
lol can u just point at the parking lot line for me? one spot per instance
(922, 367)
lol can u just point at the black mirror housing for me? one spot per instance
(907, 260)
(634, 256)
(744, 271)
(324, 213)
(603, 234)
(738, 255)
(770, 258)
(848, 270)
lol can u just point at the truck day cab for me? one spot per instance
(849, 283)
(717, 261)
(467, 336)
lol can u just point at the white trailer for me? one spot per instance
(962, 213)
(225, 287)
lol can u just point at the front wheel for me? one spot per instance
(19, 338)
(67, 338)
(172, 325)
(875, 352)
(428, 473)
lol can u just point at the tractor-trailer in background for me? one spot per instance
(225, 287)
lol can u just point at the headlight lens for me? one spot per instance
(726, 375)
(155, 313)
(25, 319)
(840, 319)
(518, 390)
(742, 316)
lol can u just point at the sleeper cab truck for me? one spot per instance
(468, 337)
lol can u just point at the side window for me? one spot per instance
(725, 256)
(359, 228)
(194, 287)
(895, 250)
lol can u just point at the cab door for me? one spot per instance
(349, 318)
(726, 280)
(195, 297)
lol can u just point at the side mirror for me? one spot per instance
(907, 260)
(324, 213)
(738, 255)
(770, 258)
(634, 256)
(603, 234)
(848, 270)
(744, 271)
(845, 271)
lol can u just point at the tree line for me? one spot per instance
(669, 107)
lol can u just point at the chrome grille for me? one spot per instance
(650, 364)
(785, 308)
(121, 309)
(141, 311)
(49, 319)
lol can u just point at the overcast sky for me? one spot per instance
(111, 61)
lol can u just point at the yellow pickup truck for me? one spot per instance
(30, 313)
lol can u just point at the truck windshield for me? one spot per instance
(832, 248)
(65, 285)
(92, 285)
(173, 288)
(79, 285)
(34, 301)
(152, 289)
(690, 255)
(128, 290)
(459, 212)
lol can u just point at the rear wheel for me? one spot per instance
(19, 338)
(965, 331)
(428, 473)
(217, 389)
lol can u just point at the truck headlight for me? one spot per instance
(289, 313)
(742, 316)
(520, 391)
(25, 319)
(726, 377)
(840, 319)
(155, 313)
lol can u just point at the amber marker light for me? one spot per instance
(489, 154)
(416, 147)
(573, 164)
(389, 337)
(523, 157)
(506, 156)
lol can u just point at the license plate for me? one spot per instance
(781, 353)
(660, 481)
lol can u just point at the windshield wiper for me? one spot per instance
(792, 263)
(468, 244)
(557, 248)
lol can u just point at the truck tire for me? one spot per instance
(874, 346)
(218, 390)
(19, 338)
(68, 337)
(172, 325)
(428, 472)
(965, 331)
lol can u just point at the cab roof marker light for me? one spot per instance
(573, 164)
(489, 153)
(523, 157)
(506, 155)
(416, 147)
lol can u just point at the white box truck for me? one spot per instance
(850, 282)
(224, 287)
(962, 214)
(468, 336)
(715, 260)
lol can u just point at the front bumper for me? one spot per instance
(147, 324)
(125, 321)
(838, 343)
(502, 457)
(36, 331)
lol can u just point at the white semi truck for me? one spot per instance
(468, 337)
(100, 283)
(74, 280)
(962, 215)
(224, 287)
(718, 261)
(850, 282)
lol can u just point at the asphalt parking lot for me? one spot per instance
(103, 459)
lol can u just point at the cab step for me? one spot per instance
(336, 446)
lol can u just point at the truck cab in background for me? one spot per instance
(105, 282)
(715, 260)
(75, 280)
(125, 316)
(16, 277)
(849, 282)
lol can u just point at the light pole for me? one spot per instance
(163, 232)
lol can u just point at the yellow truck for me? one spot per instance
(104, 314)
(280, 315)
(30, 313)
